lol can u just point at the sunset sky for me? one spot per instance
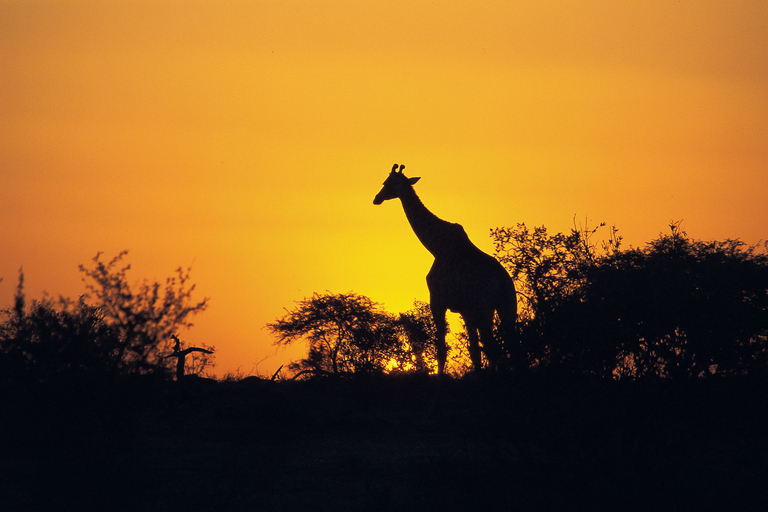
(248, 138)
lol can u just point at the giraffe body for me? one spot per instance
(462, 279)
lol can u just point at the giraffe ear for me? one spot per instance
(412, 181)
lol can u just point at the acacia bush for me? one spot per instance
(418, 330)
(50, 341)
(347, 333)
(676, 308)
(145, 313)
(115, 328)
(547, 268)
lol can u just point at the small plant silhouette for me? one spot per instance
(181, 355)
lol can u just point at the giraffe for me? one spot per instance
(462, 279)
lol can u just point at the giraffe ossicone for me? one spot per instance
(462, 279)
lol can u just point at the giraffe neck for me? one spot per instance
(434, 233)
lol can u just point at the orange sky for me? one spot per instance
(248, 138)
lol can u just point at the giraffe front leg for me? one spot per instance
(438, 315)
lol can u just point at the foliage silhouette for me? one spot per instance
(401, 442)
(346, 333)
(419, 331)
(350, 334)
(677, 308)
(548, 268)
(114, 329)
(146, 314)
(49, 341)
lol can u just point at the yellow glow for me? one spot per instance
(250, 138)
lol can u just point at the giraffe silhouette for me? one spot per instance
(463, 278)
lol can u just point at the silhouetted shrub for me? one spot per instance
(419, 350)
(351, 334)
(54, 340)
(146, 314)
(345, 333)
(548, 269)
(113, 329)
(676, 308)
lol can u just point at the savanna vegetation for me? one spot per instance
(347, 333)
(644, 390)
(676, 308)
(114, 329)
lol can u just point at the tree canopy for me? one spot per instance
(115, 328)
(676, 308)
(347, 333)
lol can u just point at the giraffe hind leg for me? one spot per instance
(438, 315)
(474, 345)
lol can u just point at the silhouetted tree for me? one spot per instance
(676, 308)
(346, 333)
(548, 270)
(146, 314)
(113, 329)
(418, 350)
(200, 357)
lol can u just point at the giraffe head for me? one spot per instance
(395, 184)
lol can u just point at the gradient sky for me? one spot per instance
(248, 138)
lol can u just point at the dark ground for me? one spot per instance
(406, 443)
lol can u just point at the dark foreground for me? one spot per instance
(385, 444)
